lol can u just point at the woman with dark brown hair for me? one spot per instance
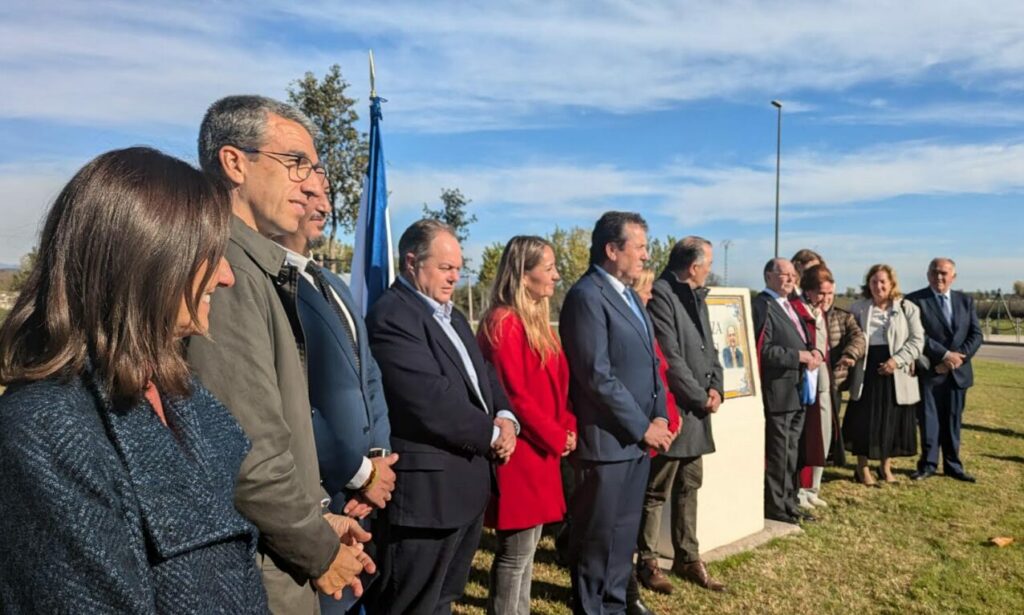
(117, 467)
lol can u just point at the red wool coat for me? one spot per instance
(530, 484)
(670, 399)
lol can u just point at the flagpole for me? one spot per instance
(373, 78)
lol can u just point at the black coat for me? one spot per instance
(439, 427)
(109, 511)
(780, 344)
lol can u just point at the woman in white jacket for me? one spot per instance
(880, 421)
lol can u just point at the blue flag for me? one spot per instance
(373, 267)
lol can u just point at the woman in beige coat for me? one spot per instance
(879, 422)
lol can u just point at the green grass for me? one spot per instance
(905, 548)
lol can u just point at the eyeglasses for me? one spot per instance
(299, 167)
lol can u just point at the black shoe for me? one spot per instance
(634, 605)
(962, 476)
(806, 517)
(922, 474)
(783, 519)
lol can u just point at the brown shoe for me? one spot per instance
(697, 572)
(652, 577)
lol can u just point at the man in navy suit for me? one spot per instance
(619, 403)
(450, 419)
(732, 356)
(349, 413)
(952, 336)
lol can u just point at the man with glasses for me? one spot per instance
(782, 344)
(253, 360)
(450, 419)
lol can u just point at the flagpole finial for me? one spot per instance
(373, 78)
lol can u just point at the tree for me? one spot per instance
(453, 212)
(489, 261)
(658, 251)
(1018, 288)
(572, 253)
(343, 150)
(334, 254)
(27, 263)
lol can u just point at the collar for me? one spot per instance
(771, 293)
(444, 310)
(616, 283)
(295, 259)
(948, 294)
(267, 255)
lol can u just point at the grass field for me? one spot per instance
(905, 548)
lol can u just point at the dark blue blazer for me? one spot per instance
(106, 510)
(614, 385)
(439, 427)
(350, 415)
(964, 336)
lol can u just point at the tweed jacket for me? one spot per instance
(845, 339)
(106, 510)
(681, 324)
(905, 337)
(252, 361)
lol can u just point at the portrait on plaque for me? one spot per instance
(729, 332)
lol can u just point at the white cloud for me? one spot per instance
(27, 191)
(452, 66)
(947, 114)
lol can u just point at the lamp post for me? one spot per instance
(778, 162)
(725, 245)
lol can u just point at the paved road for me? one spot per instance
(1011, 354)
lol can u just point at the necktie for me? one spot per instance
(325, 289)
(947, 309)
(796, 320)
(636, 309)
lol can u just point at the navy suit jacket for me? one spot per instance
(614, 385)
(350, 415)
(964, 336)
(779, 346)
(439, 427)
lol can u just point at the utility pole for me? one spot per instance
(778, 163)
(726, 245)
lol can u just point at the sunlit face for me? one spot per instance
(823, 297)
(627, 263)
(699, 273)
(276, 199)
(646, 292)
(880, 286)
(782, 279)
(540, 281)
(318, 209)
(437, 274)
(223, 277)
(941, 275)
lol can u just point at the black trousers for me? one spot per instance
(605, 510)
(423, 570)
(781, 448)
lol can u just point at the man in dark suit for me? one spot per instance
(349, 414)
(619, 403)
(785, 354)
(450, 419)
(683, 329)
(952, 336)
(732, 356)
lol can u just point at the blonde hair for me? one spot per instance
(646, 278)
(894, 293)
(522, 253)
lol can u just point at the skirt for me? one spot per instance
(875, 426)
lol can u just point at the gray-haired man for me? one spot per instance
(253, 360)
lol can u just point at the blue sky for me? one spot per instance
(902, 137)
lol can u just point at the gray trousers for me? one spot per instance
(680, 478)
(512, 571)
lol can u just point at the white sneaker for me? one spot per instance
(804, 500)
(816, 501)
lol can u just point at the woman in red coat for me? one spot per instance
(516, 336)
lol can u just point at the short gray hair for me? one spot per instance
(687, 251)
(941, 259)
(417, 238)
(241, 121)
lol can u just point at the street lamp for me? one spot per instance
(778, 161)
(726, 245)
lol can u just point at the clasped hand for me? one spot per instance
(505, 444)
(350, 559)
(658, 436)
